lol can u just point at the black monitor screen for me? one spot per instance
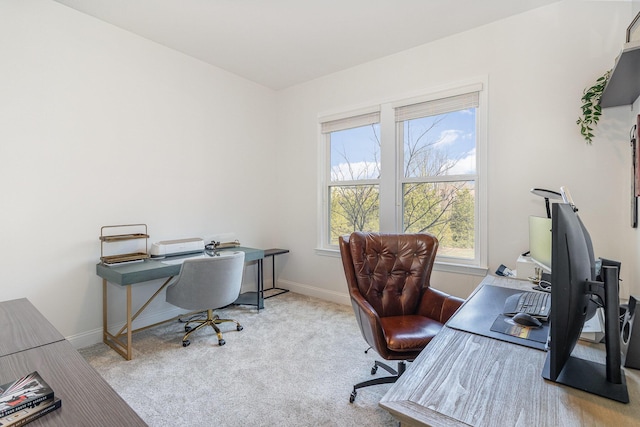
(572, 265)
(572, 285)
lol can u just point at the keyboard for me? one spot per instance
(537, 304)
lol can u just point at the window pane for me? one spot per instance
(439, 145)
(444, 209)
(353, 208)
(355, 153)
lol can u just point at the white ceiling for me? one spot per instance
(280, 43)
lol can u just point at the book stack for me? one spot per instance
(25, 400)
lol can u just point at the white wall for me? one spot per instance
(537, 65)
(101, 127)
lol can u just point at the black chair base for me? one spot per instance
(402, 366)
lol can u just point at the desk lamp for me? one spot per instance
(547, 194)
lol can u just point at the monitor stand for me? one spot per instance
(603, 380)
(590, 377)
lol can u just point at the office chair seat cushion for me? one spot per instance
(207, 283)
(409, 333)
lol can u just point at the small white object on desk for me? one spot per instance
(593, 329)
(182, 259)
(525, 267)
(176, 247)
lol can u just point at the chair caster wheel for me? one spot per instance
(186, 343)
(353, 396)
(239, 327)
(187, 328)
(221, 342)
(374, 370)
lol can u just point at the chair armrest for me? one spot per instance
(369, 324)
(438, 305)
(451, 305)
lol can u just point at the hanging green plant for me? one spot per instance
(591, 109)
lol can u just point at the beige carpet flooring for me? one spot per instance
(294, 364)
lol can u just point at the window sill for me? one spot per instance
(472, 270)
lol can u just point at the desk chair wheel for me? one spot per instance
(185, 343)
(221, 342)
(374, 369)
(353, 396)
(239, 327)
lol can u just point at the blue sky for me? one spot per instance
(454, 136)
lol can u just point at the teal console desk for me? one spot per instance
(152, 269)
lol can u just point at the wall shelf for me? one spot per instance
(623, 87)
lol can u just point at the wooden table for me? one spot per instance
(28, 329)
(87, 399)
(466, 379)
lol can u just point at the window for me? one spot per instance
(354, 175)
(439, 171)
(409, 166)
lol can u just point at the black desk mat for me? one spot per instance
(479, 313)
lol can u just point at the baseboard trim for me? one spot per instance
(94, 336)
(312, 291)
(85, 339)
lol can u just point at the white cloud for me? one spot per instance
(466, 165)
(448, 137)
(357, 170)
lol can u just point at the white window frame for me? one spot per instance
(391, 181)
(342, 121)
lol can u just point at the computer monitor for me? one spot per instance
(540, 241)
(573, 283)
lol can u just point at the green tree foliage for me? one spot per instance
(354, 208)
(462, 220)
(445, 210)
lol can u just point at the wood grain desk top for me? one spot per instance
(87, 399)
(29, 328)
(466, 379)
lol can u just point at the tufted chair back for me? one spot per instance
(388, 276)
(391, 271)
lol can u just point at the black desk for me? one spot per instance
(478, 314)
(272, 253)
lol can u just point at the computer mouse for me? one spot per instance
(525, 319)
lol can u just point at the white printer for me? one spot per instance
(176, 247)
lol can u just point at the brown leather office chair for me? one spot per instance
(397, 311)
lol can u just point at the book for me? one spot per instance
(27, 415)
(26, 392)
